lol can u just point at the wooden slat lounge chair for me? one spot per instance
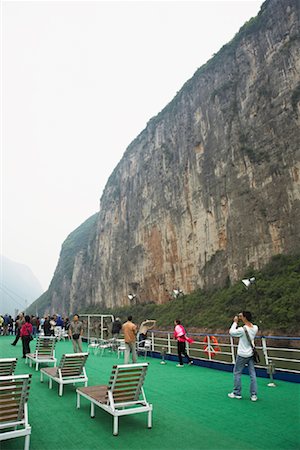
(71, 370)
(7, 366)
(14, 391)
(124, 394)
(44, 352)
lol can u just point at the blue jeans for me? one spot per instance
(237, 372)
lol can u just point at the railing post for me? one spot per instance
(265, 350)
(88, 325)
(169, 343)
(232, 350)
(208, 348)
(152, 341)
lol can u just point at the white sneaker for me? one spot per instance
(253, 398)
(233, 395)
(179, 365)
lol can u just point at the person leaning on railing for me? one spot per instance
(75, 333)
(145, 326)
(244, 354)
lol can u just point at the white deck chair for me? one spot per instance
(124, 394)
(14, 392)
(94, 345)
(44, 352)
(71, 370)
(144, 346)
(7, 366)
(121, 348)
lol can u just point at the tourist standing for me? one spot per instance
(19, 322)
(180, 336)
(244, 354)
(75, 333)
(52, 325)
(46, 326)
(34, 324)
(130, 330)
(25, 333)
(116, 328)
(5, 324)
(144, 328)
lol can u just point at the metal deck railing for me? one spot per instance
(205, 347)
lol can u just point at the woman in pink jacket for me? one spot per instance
(25, 333)
(180, 336)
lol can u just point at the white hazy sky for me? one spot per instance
(79, 81)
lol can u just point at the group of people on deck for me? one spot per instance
(246, 335)
(26, 328)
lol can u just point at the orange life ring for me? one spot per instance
(214, 346)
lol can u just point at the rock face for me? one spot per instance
(212, 185)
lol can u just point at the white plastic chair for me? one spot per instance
(94, 345)
(144, 346)
(121, 348)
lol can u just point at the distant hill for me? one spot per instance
(18, 285)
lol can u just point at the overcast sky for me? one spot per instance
(79, 81)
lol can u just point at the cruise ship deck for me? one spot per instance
(191, 410)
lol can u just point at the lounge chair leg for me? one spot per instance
(50, 383)
(61, 387)
(116, 423)
(27, 442)
(42, 378)
(78, 401)
(85, 383)
(37, 366)
(150, 419)
(92, 410)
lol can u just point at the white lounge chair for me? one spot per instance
(94, 345)
(71, 370)
(7, 366)
(121, 347)
(124, 394)
(104, 346)
(44, 352)
(14, 392)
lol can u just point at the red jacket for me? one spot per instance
(179, 334)
(26, 329)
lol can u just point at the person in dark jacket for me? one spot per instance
(47, 326)
(25, 333)
(19, 322)
(116, 328)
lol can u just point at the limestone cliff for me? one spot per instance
(212, 185)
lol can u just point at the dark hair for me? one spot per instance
(129, 318)
(177, 321)
(248, 315)
(76, 315)
(27, 319)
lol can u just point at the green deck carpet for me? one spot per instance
(191, 410)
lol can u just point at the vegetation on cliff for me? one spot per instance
(273, 299)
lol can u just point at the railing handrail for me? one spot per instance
(231, 344)
(294, 338)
